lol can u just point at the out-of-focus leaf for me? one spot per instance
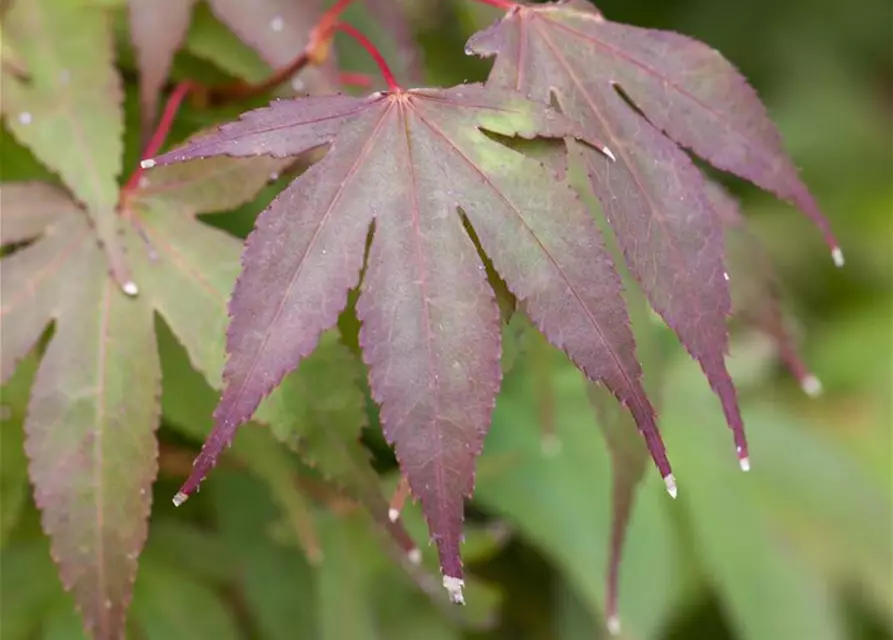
(387, 24)
(810, 483)
(275, 581)
(756, 292)
(157, 28)
(562, 502)
(764, 581)
(29, 207)
(201, 554)
(269, 461)
(28, 587)
(62, 623)
(69, 111)
(347, 576)
(209, 39)
(278, 30)
(91, 478)
(13, 464)
(171, 604)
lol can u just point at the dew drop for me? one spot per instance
(277, 24)
(614, 625)
(130, 288)
(25, 117)
(415, 556)
(744, 463)
(725, 274)
(144, 182)
(297, 84)
(469, 51)
(274, 177)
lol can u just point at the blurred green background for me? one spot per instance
(800, 548)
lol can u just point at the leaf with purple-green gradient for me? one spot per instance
(157, 29)
(68, 111)
(89, 434)
(411, 161)
(94, 403)
(653, 196)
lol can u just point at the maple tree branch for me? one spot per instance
(373, 51)
(160, 134)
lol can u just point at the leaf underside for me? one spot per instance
(654, 198)
(410, 161)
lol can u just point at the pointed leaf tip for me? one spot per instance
(613, 625)
(454, 587)
(837, 256)
(670, 481)
(180, 498)
(811, 386)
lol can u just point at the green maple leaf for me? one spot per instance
(67, 110)
(94, 403)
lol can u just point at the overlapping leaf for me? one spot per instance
(277, 29)
(409, 160)
(68, 108)
(653, 196)
(93, 410)
(94, 403)
(755, 289)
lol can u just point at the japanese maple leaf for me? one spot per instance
(94, 403)
(602, 73)
(67, 110)
(409, 161)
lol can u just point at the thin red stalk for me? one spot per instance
(371, 49)
(242, 91)
(354, 79)
(160, 134)
(500, 4)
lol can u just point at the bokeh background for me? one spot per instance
(801, 548)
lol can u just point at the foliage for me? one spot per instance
(487, 255)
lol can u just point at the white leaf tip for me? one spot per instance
(670, 481)
(148, 163)
(130, 288)
(613, 625)
(837, 256)
(744, 463)
(609, 153)
(811, 386)
(180, 498)
(415, 555)
(454, 588)
(393, 514)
